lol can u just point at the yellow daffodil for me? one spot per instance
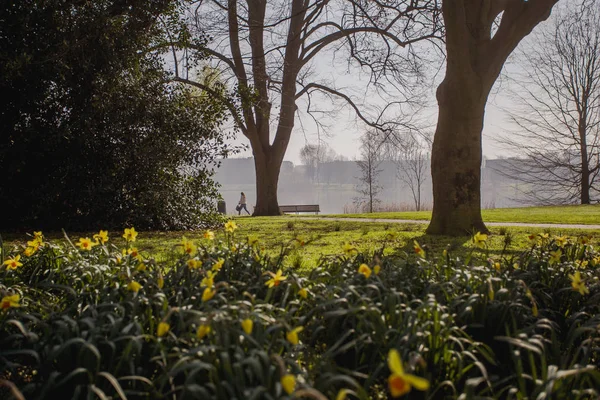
(376, 269)
(192, 263)
(230, 226)
(85, 244)
(584, 240)
(209, 279)
(29, 251)
(532, 238)
(365, 270)
(101, 236)
(10, 302)
(303, 293)
(160, 282)
(210, 235)
(288, 382)
(391, 235)
(252, 240)
(400, 382)
(130, 234)
(418, 249)
(578, 284)
(202, 331)
(300, 240)
(141, 267)
(133, 286)
(581, 264)
(218, 265)
(39, 236)
(491, 292)
(560, 241)
(544, 236)
(208, 294)
(534, 307)
(445, 253)
(276, 279)
(497, 266)
(479, 239)
(35, 244)
(555, 256)
(292, 336)
(189, 247)
(13, 263)
(163, 329)
(247, 326)
(349, 249)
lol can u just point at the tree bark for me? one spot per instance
(456, 161)
(267, 179)
(585, 166)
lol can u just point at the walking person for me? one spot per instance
(242, 204)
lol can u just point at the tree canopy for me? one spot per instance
(92, 135)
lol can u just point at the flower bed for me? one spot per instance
(227, 321)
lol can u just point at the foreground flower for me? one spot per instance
(577, 284)
(252, 240)
(209, 279)
(276, 279)
(218, 265)
(376, 269)
(202, 331)
(418, 249)
(208, 294)
(247, 326)
(560, 241)
(349, 249)
(160, 281)
(479, 239)
(163, 329)
(230, 226)
(101, 236)
(130, 234)
(555, 256)
(39, 236)
(10, 302)
(533, 239)
(85, 244)
(210, 235)
(303, 293)
(189, 247)
(292, 336)
(399, 382)
(192, 263)
(133, 252)
(365, 270)
(300, 240)
(32, 247)
(584, 240)
(133, 286)
(288, 382)
(13, 263)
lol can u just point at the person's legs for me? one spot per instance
(244, 206)
(240, 210)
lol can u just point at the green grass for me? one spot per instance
(326, 238)
(582, 214)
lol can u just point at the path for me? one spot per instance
(424, 221)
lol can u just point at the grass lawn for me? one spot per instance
(586, 215)
(327, 238)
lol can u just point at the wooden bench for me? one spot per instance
(298, 208)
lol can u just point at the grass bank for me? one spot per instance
(580, 214)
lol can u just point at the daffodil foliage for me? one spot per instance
(82, 317)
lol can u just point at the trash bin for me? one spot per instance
(221, 207)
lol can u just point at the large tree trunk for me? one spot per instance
(585, 166)
(456, 159)
(474, 60)
(267, 179)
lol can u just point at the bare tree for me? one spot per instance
(267, 51)
(480, 35)
(557, 117)
(371, 159)
(312, 155)
(412, 166)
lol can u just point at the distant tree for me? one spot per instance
(557, 112)
(312, 155)
(371, 159)
(480, 36)
(92, 136)
(412, 166)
